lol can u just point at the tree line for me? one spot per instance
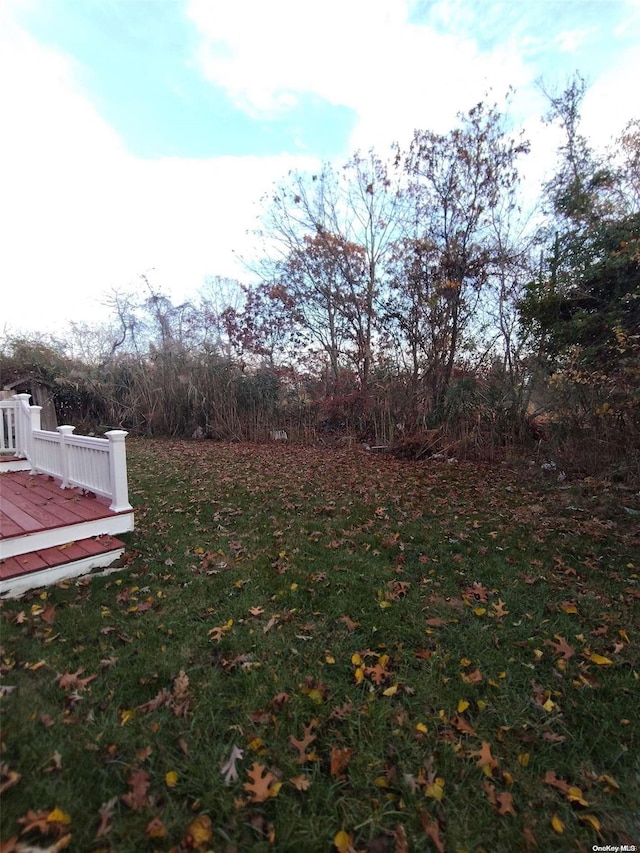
(396, 299)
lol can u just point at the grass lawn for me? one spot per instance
(313, 650)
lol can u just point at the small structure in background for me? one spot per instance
(279, 435)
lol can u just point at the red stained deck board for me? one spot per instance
(31, 503)
(8, 527)
(50, 557)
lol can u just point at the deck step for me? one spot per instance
(51, 565)
(13, 463)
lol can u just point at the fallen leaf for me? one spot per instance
(171, 779)
(561, 647)
(106, 814)
(432, 829)
(9, 778)
(199, 832)
(505, 803)
(306, 740)
(263, 784)
(485, 760)
(229, 769)
(156, 828)
(340, 758)
(343, 842)
(557, 824)
(435, 789)
(138, 796)
(600, 660)
(301, 782)
(591, 819)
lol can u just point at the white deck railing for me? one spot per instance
(7, 426)
(96, 464)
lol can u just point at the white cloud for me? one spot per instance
(569, 41)
(361, 54)
(80, 216)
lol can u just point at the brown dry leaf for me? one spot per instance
(156, 828)
(48, 615)
(437, 622)
(400, 839)
(9, 778)
(35, 820)
(301, 782)
(306, 740)
(432, 828)
(550, 778)
(498, 610)
(263, 784)
(340, 758)
(73, 680)
(505, 803)
(106, 814)
(474, 677)
(561, 647)
(349, 622)
(138, 796)
(462, 725)
(485, 760)
(162, 698)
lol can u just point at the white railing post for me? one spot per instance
(118, 470)
(23, 425)
(64, 454)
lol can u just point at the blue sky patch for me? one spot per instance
(135, 62)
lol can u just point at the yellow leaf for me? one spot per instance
(435, 790)
(342, 841)
(359, 675)
(591, 819)
(125, 716)
(462, 706)
(601, 661)
(480, 611)
(315, 695)
(523, 759)
(557, 824)
(171, 779)
(58, 816)
(420, 727)
(274, 790)
(481, 704)
(549, 705)
(390, 691)
(329, 658)
(356, 659)
(381, 782)
(465, 662)
(508, 778)
(384, 603)
(568, 608)
(609, 780)
(199, 831)
(574, 795)
(624, 635)
(538, 653)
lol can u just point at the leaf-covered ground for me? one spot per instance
(313, 650)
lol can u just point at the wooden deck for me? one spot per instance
(48, 533)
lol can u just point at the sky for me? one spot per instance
(139, 136)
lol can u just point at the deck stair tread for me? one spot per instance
(69, 553)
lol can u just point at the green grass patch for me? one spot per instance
(439, 653)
